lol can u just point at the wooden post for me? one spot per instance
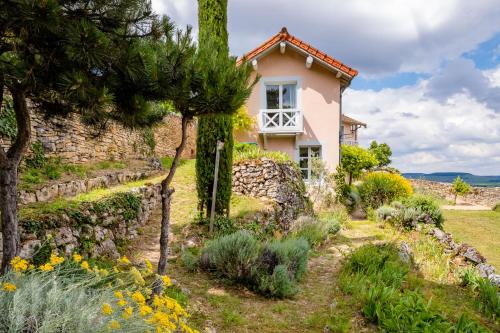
(220, 145)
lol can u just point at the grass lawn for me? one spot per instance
(320, 302)
(480, 229)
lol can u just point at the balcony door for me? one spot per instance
(280, 109)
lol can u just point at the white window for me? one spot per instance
(281, 96)
(306, 156)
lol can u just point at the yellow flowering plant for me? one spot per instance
(122, 304)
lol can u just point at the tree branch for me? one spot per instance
(23, 121)
(178, 151)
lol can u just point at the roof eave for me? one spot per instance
(345, 78)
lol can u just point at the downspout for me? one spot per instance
(341, 134)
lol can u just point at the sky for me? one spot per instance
(429, 71)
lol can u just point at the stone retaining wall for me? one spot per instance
(465, 254)
(74, 187)
(279, 182)
(484, 196)
(98, 228)
(75, 143)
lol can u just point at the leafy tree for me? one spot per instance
(460, 187)
(382, 152)
(212, 23)
(356, 159)
(69, 56)
(188, 77)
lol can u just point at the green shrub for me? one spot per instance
(278, 284)
(8, 123)
(385, 213)
(52, 171)
(379, 188)
(339, 215)
(376, 276)
(189, 261)
(272, 269)
(31, 177)
(232, 256)
(496, 208)
(247, 151)
(469, 277)
(427, 208)
(488, 298)
(291, 252)
(408, 312)
(37, 158)
(314, 230)
(280, 265)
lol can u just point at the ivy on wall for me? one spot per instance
(8, 124)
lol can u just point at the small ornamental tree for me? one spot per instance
(460, 187)
(242, 121)
(356, 159)
(198, 83)
(382, 152)
(69, 56)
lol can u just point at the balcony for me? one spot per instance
(349, 142)
(281, 121)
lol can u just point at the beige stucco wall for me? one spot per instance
(318, 97)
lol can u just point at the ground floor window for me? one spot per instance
(306, 156)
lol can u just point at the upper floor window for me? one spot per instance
(281, 96)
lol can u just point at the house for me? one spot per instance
(298, 102)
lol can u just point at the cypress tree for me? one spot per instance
(212, 21)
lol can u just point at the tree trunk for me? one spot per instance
(9, 163)
(166, 193)
(350, 179)
(8, 208)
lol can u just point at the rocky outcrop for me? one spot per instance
(67, 138)
(466, 254)
(98, 228)
(74, 187)
(280, 182)
(484, 196)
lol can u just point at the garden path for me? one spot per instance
(216, 304)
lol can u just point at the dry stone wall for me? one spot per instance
(98, 228)
(74, 187)
(75, 143)
(484, 196)
(279, 182)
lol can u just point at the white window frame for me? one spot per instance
(309, 158)
(280, 80)
(280, 94)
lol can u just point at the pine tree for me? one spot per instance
(197, 83)
(212, 22)
(69, 56)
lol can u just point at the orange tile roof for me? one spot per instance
(283, 35)
(349, 120)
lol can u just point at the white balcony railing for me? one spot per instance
(281, 121)
(349, 142)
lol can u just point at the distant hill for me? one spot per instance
(448, 177)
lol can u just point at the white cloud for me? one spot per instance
(494, 75)
(445, 123)
(376, 37)
(455, 134)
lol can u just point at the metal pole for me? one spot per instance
(220, 145)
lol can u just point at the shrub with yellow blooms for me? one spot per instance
(116, 300)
